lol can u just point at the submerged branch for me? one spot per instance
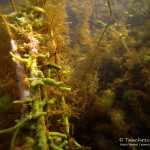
(13, 5)
(29, 117)
(16, 126)
(12, 146)
(6, 25)
(110, 17)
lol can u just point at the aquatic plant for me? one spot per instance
(110, 86)
(123, 68)
(36, 43)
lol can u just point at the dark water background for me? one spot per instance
(5, 6)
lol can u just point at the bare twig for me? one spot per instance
(6, 25)
(13, 5)
(100, 39)
(110, 17)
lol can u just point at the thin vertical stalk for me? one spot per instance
(12, 146)
(6, 25)
(108, 23)
(13, 5)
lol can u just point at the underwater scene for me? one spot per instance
(74, 74)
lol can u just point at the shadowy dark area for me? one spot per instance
(8, 89)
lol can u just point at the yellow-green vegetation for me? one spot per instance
(105, 102)
(120, 68)
(36, 35)
(96, 94)
(118, 120)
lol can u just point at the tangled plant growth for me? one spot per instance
(37, 43)
(110, 85)
(119, 94)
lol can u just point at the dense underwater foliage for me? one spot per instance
(110, 82)
(116, 93)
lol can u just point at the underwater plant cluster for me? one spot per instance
(78, 75)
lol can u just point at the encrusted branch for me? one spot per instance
(22, 122)
(58, 134)
(37, 89)
(12, 146)
(22, 60)
(26, 101)
(29, 117)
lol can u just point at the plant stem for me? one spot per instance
(12, 146)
